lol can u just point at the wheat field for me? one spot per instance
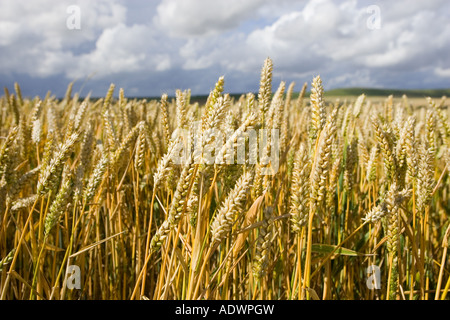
(353, 206)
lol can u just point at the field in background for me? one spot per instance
(352, 204)
(349, 94)
(397, 93)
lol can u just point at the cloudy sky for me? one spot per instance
(152, 47)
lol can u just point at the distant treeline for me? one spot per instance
(344, 92)
(370, 92)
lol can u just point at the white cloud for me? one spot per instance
(203, 17)
(122, 49)
(8, 32)
(442, 72)
(175, 39)
(34, 39)
(326, 37)
(45, 20)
